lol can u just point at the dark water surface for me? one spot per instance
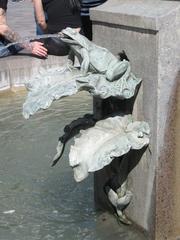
(38, 202)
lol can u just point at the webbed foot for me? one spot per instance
(121, 218)
(120, 200)
(70, 65)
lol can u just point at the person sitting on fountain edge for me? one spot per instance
(53, 17)
(86, 5)
(7, 35)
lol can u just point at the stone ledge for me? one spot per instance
(16, 70)
(154, 58)
(149, 15)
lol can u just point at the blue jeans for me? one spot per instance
(4, 52)
(39, 31)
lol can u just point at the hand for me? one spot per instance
(38, 49)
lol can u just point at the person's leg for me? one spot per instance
(39, 31)
(4, 51)
(87, 26)
(15, 49)
(55, 46)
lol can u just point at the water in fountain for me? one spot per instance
(40, 202)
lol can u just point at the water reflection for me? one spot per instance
(37, 201)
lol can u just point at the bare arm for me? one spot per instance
(39, 14)
(9, 34)
(5, 30)
(2, 16)
(36, 48)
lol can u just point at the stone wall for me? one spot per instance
(17, 70)
(149, 33)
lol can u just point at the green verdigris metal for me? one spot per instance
(95, 59)
(103, 75)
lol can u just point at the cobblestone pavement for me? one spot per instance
(20, 17)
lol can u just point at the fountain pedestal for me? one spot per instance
(149, 33)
